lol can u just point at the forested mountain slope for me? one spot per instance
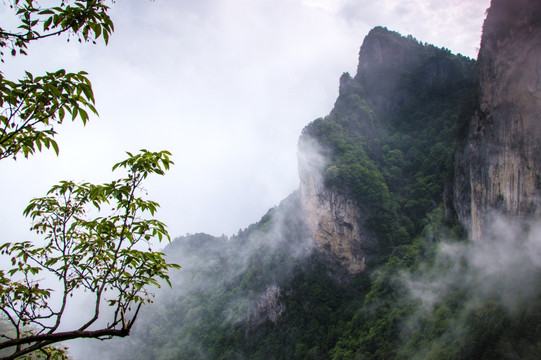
(368, 259)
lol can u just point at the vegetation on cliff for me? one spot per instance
(395, 157)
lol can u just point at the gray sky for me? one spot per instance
(225, 85)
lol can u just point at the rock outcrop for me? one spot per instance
(384, 58)
(269, 306)
(499, 167)
(332, 218)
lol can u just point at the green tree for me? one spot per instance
(31, 107)
(107, 256)
(96, 238)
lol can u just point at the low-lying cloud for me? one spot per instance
(506, 265)
(503, 272)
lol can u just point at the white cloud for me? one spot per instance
(453, 24)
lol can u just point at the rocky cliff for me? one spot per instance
(365, 167)
(333, 219)
(498, 170)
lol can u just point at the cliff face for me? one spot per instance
(333, 219)
(499, 168)
(384, 58)
(365, 167)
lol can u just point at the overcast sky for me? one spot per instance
(225, 85)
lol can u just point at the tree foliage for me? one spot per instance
(107, 256)
(96, 239)
(31, 107)
(87, 20)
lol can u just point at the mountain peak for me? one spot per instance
(384, 49)
(388, 59)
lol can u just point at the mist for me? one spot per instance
(234, 281)
(499, 275)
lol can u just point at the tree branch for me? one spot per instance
(47, 339)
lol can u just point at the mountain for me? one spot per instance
(384, 153)
(390, 248)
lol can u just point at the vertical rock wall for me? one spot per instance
(498, 169)
(332, 218)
